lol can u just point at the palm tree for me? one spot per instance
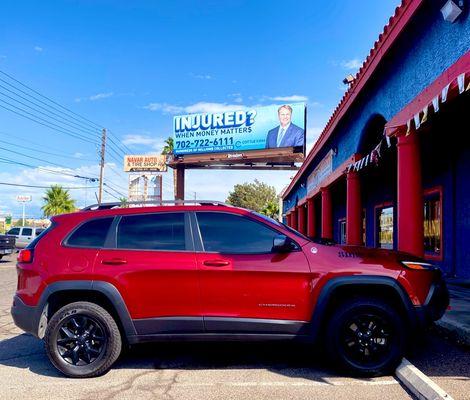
(57, 201)
(168, 150)
(271, 209)
(124, 203)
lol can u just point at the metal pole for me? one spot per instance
(24, 203)
(103, 149)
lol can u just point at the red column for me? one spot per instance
(410, 196)
(293, 218)
(288, 219)
(301, 216)
(353, 209)
(310, 218)
(326, 214)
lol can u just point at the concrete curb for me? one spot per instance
(418, 383)
(456, 330)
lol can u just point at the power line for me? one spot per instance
(73, 124)
(68, 157)
(46, 125)
(83, 124)
(46, 187)
(8, 161)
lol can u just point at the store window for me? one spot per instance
(384, 236)
(433, 223)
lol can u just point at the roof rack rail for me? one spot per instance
(108, 206)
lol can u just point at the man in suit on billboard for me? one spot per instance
(286, 134)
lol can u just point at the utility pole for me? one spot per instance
(103, 149)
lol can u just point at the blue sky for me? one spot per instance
(131, 65)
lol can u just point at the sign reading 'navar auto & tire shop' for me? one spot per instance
(145, 163)
(268, 127)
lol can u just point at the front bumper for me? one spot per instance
(435, 305)
(25, 317)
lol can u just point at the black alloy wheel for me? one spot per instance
(366, 337)
(81, 340)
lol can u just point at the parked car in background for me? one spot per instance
(7, 245)
(24, 235)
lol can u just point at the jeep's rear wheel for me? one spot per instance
(82, 340)
(366, 337)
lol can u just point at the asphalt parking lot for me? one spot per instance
(210, 370)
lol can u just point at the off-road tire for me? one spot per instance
(110, 351)
(338, 334)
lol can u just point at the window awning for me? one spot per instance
(453, 82)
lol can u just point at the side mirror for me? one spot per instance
(282, 244)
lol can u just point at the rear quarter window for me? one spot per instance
(90, 234)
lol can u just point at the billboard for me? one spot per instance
(271, 127)
(145, 163)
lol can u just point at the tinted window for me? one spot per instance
(91, 234)
(27, 232)
(39, 231)
(152, 232)
(14, 231)
(227, 233)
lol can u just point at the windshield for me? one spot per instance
(280, 225)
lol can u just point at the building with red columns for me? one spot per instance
(391, 168)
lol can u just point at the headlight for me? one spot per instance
(419, 265)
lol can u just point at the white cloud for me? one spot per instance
(294, 97)
(353, 64)
(200, 107)
(95, 97)
(165, 108)
(201, 76)
(100, 96)
(135, 140)
(78, 155)
(38, 49)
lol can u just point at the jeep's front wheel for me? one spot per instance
(82, 340)
(366, 337)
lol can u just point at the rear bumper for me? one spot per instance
(435, 305)
(25, 317)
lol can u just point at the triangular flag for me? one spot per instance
(425, 115)
(417, 121)
(408, 127)
(461, 82)
(444, 93)
(435, 104)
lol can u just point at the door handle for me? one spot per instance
(216, 263)
(114, 261)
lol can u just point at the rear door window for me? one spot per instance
(163, 231)
(91, 234)
(27, 232)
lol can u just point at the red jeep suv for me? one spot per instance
(102, 278)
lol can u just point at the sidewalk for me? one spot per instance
(456, 321)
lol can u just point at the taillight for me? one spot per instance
(25, 256)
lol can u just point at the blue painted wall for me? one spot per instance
(428, 47)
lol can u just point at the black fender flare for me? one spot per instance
(105, 288)
(326, 293)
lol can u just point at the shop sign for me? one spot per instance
(318, 175)
(145, 163)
